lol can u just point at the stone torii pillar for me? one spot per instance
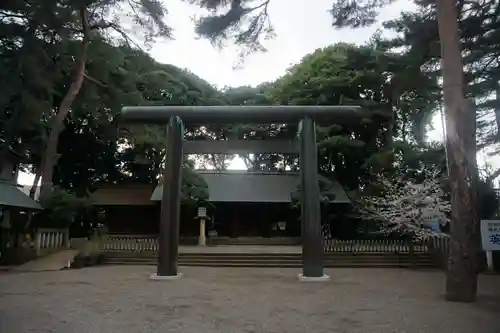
(313, 253)
(168, 239)
(308, 116)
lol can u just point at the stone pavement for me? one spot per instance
(121, 299)
(52, 262)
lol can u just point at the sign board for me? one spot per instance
(490, 235)
(433, 223)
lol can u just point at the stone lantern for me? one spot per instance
(202, 217)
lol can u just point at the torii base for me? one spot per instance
(157, 277)
(324, 278)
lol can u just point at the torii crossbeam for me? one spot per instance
(174, 116)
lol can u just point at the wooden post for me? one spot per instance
(66, 240)
(38, 241)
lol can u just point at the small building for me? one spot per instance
(127, 208)
(15, 206)
(241, 204)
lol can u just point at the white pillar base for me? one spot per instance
(202, 241)
(489, 260)
(157, 277)
(324, 278)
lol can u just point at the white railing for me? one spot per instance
(439, 248)
(141, 243)
(135, 243)
(372, 246)
(51, 239)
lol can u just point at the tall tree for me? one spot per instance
(68, 21)
(461, 282)
(479, 24)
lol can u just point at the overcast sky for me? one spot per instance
(301, 26)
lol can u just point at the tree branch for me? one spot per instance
(492, 177)
(95, 81)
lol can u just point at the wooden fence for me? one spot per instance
(51, 239)
(373, 246)
(141, 243)
(439, 248)
(135, 243)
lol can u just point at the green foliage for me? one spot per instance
(37, 58)
(43, 43)
(358, 13)
(194, 188)
(61, 209)
(478, 23)
(244, 22)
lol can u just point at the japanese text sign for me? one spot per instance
(490, 235)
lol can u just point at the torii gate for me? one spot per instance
(306, 116)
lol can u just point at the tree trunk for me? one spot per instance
(38, 175)
(461, 279)
(496, 173)
(9, 135)
(497, 110)
(49, 159)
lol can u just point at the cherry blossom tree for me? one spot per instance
(408, 207)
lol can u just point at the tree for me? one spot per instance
(62, 21)
(461, 282)
(462, 275)
(397, 96)
(94, 150)
(478, 24)
(407, 206)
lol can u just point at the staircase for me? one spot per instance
(293, 260)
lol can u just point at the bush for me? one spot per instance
(93, 259)
(12, 256)
(61, 209)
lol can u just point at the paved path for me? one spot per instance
(226, 300)
(52, 262)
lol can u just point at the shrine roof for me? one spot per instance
(262, 187)
(12, 197)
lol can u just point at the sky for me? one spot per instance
(301, 26)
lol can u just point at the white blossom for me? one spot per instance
(407, 206)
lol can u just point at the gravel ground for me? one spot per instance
(122, 299)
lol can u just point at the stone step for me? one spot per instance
(284, 257)
(266, 260)
(346, 264)
(146, 254)
(275, 259)
(288, 260)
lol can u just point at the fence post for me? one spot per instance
(66, 240)
(412, 252)
(38, 236)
